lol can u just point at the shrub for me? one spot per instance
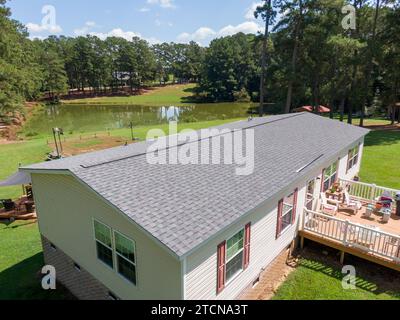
(241, 96)
(31, 134)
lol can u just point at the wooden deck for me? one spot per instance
(20, 212)
(367, 238)
(393, 226)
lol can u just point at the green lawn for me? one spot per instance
(168, 95)
(315, 280)
(381, 159)
(11, 155)
(21, 260)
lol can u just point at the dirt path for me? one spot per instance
(395, 127)
(271, 278)
(9, 132)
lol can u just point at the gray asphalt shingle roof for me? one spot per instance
(184, 205)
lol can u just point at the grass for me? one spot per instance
(316, 280)
(168, 95)
(21, 260)
(11, 155)
(367, 121)
(381, 159)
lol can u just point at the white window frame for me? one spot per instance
(114, 252)
(332, 174)
(101, 242)
(241, 251)
(355, 155)
(127, 260)
(287, 212)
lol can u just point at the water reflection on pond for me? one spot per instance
(102, 117)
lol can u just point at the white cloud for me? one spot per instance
(144, 9)
(39, 28)
(128, 35)
(250, 11)
(245, 27)
(85, 29)
(199, 35)
(37, 37)
(205, 34)
(163, 3)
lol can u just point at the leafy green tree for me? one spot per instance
(230, 66)
(19, 74)
(268, 15)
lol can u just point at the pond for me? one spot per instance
(89, 118)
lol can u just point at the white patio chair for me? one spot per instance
(351, 204)
(327, 207)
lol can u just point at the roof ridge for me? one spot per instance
(186, 143)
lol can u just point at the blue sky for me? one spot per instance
(153, 20)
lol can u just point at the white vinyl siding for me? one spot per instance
(71, 230)
(201, 266)
(346, 173)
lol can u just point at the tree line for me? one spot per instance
(311, 59)
(306, 57)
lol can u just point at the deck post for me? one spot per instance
(302, 242)
(346, 229)
(342, 253)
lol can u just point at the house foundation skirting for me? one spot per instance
(77, 280)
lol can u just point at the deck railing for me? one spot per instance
(367, 192)
(354, 235)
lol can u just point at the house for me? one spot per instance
(116, 227)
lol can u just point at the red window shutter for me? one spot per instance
(279, 222)
(246, 251)
(322, 181)
(294, 205)
(221, 265)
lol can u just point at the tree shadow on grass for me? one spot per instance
(22, 281)
(10, 224)
(370, 276)
(382, 138)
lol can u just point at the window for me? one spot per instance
(234, 255)
(287, 212)
(77, 267)
(120, 252)
(310, 194)
(53, 247)
(125, 257)
(330, 175)
(353, 157)
(103, 243)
